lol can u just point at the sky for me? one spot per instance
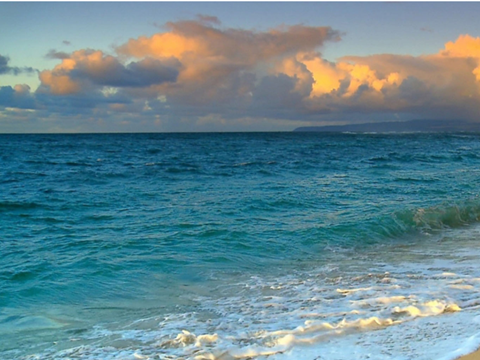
(234, 66)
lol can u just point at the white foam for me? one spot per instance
(431, 308)
(462, 287)
(385, 300)
(415, 303)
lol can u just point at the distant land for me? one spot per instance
(422, 125)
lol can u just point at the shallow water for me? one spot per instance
(221, 246)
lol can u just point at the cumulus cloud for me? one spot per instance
(85, 68)
(194, 66)
(17, 97)
(219, 63)
(442, 84)
(201, 70)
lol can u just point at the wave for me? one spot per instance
(220, 340)
(18, 205)
(401, 158)
(397, 225)
(446, 215)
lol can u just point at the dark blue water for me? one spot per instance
(100, 231)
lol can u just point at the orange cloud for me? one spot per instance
(201, 63)
(200, 68)
(326, 77)
(59, 82)
(445, 84)
(192, 39)
(465, 47)
(21, 89)
(215, 60)
(325, 74)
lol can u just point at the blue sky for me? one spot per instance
(349, 57)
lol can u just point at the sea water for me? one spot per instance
(239, 246)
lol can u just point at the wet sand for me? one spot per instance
(473, 356)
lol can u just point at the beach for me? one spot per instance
(473, 356)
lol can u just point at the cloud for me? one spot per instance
(207, 19)
(66, 42)
(196, 66)
(445, 84)
(5, 69)
(253, 70)
(426, 29)
(17, 97)
(108, 71)
(465, 46)
(53, 54)
(202, 74)
(186, 39)
(214, 60)
(85, 69)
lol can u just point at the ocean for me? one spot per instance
(279, 246)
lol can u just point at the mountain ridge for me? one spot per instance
(419, 125)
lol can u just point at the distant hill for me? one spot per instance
(400, 126)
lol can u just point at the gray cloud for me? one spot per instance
(18, 97)
(87, 70)
(143, 73)
(6, 69)
(207, 19)
(275, 96)
(54, 54)
(426, 29)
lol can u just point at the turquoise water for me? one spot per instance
(247, 245)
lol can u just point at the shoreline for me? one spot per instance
(472, 356)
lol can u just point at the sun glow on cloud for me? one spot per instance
(465, 47)
(200, 69)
